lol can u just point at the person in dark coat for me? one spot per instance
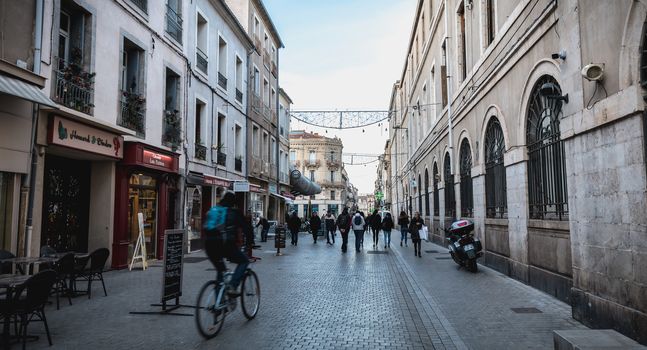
(387, 226)
(330, 228)
(343, 223)
(414, 229)
(403, 221)
(265, 228)
(315, 225)
(375, 221)
(294, 225)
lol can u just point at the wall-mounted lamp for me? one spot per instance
(561, 55)
(551, 91)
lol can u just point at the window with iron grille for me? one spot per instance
(496, 205)
(419, 195)
(436, 196)
(467, 200)
(450, 199)
(547, 188)
(427, 192)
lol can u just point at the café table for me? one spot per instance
(9, 282)
(29, 262)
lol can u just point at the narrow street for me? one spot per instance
(315, 297)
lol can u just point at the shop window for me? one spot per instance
(495, 176)
(547, 187)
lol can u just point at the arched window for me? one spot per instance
(467, 201)
(450, 199)
(420, 196)
(436, 197)
(427, 211)
(496, 205)
(547, 193)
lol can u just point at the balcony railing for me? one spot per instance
(133, 110)
(74, 88)
(200, 152)
(174, 24)
(257, 165)
(202, 60)
(238, 164)
(333, 163)
(313, 163)
(221, 158)
(142, 4)
(239, 96)
(222, 81)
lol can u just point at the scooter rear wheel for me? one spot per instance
(472, 266)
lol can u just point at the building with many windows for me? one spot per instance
(319, 159)
(528, 118)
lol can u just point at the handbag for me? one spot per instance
(424, 233)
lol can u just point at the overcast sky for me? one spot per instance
(343, 54)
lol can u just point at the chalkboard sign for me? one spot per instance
(279, 238)
(172, 279)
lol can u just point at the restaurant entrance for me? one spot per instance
(66, 202)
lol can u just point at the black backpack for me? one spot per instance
(357, 220)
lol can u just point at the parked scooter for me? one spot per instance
(463, 247)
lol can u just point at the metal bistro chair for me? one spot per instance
(31, 305)
(98, 260)
(64, 268)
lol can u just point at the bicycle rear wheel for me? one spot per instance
(250, 296)
(209, 315)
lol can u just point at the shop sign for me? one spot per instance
(287, 195)
(272, 188)
(241, 186)
(157, 159)
(257, 189)
(64, 132)
(214, 181)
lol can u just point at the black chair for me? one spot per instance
(28, 302)
(47, 251)
(98, 260)
(64, 268)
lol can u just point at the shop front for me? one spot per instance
(78, 172)
(145, 182)
(202, 192)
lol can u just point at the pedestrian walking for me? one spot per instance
(376, 225)
(387, 226)
(330, 228)
(343, 223)
(359, 225)
(403, 221)
(265, 228)
(315, 225)
(294, 225)
(414, 229)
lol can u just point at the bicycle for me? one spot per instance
(213, 302)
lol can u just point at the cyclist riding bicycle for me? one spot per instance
(224, 229)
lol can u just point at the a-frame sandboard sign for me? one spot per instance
(140, 247)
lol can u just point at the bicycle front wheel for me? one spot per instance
(209, 313)
(250, 296)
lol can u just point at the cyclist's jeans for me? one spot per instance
(216, 253)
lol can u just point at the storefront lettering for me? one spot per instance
(80, 136)
(157, 159)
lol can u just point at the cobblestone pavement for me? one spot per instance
(315, 297)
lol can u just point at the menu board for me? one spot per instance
(173, 251)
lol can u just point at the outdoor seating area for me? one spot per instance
(27, 283)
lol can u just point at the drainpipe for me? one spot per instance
(29, 181)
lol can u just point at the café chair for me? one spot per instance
(47, 251)
(29, 300)
(64, 268)
(98, 259)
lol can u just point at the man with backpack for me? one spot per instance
(343, 223)
(358, 228)
(224, 227)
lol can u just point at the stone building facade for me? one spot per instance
(501, 116)
(319, 159)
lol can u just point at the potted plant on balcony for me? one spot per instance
(221, 157)
(133, 109)
(75, 89)
(172, 128)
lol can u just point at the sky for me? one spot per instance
(343, 55)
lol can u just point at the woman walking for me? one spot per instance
(315, 225)
(294, 225)
(414, 228)
(376, 225)
(403, 221)
(387, 226)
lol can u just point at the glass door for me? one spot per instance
(142, 195)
